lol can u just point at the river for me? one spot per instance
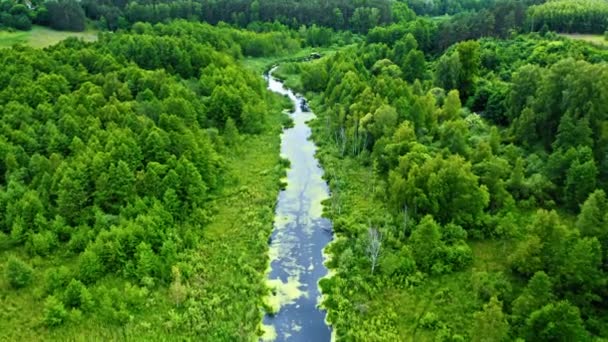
(299, 236)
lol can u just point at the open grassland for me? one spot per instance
(262, 64)
(41, 37)
(595, 39)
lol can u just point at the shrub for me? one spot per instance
(177, 291)
(491, 284)
(18, 273)
(429, 321)
(56, 278)
(90, 267)
(78, 296)
(41, 243)
(54, 312)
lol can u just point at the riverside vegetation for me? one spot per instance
(464, 143)
(480, 173)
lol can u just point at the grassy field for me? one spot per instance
(259, 65)
(595, 39)
(40, 37)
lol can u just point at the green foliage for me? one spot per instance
(56, 279)
(18, 273)
(429, 321)
(224, 104)
(491, 284)
(55, 313)
(136, 160)
(448, 71)
(90, 266)
(509, 153)
(490, 323)
(414, 66)
(365, 18)
(459, 70)
(591, 221)
(65, 15)
(557, 322)
(580, 182)
(314, 77)
(469, 55)
(451, 107)
(258, 15)
(78, 296)
(581, 16)
(177, 290)
(446, 189)
(537, 294)
(16, 15)
(231, 132)
(115, 170)
(426, 243)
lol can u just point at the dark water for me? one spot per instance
(300, 234)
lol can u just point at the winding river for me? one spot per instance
(299, 236)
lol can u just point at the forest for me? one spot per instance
(464, 144)
(485, 167)
(488, 189)
(115, 156)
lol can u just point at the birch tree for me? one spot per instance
(373, 246)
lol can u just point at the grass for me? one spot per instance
(41, 37)
(233, 257)
(261, 64)
(595, 39)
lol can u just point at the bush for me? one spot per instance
(491, 284)
(22, 22)
(114, 304)
(78, 296)
(458, 257)
(5, 241)
(54, 312)
(18, 273)
(90, 267)
(41, 243)
(56, 278)
(429, 321)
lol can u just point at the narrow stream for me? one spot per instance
(299, 236)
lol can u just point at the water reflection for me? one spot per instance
(299, 236)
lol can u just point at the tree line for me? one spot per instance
(580, 16)
(337, 14)
(65, 15)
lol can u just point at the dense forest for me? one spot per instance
(485, 168)
(70, 15)
(582, 16)
(115, 158)
(465, 144)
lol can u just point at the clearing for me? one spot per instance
(595, 39)
(41, 37)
